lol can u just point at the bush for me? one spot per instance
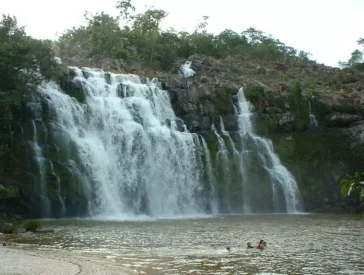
(7, 228)
(32, 226)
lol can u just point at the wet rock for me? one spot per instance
(205, 123)
(341, 119)
(123, 90)
(356, 134)
(74, 88)
(273, 110)
(192, 122)
(33, 110)
(286, 121)
(230, 122)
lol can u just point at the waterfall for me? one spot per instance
(224, 162)
(59, 191)
(210, 178)
(38, 157)
(127, 146)
(281, 180)
(239, 158)
(313, 120)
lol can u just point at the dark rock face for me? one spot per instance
(341, 119)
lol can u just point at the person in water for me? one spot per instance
(261, 245)
(249, 245)
(228, 248)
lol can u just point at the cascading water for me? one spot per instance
(59, 191)
(124, 143)
(210, 178)
(224, 162)
(239, 158)
(39, 159)
(313, 120)
(282, 182)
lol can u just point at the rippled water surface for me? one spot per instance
(297, 244)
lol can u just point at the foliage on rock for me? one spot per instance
(353, 186)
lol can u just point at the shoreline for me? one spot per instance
(30, 260)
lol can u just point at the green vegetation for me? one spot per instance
(24, 63)
(353, 186)
(138, 37)
(299, 106)
(8, 228)
(32, 225)
(357, 58)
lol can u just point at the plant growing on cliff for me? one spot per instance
(299, 106)
(353, 186)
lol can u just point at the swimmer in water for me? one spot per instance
(249, 245)
(261, 245)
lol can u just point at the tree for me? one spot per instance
(24, 62)
(125, 8)
(353, 186)
(356, 58)
(146, 30)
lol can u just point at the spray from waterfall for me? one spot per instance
(186, 71)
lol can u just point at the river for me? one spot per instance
(296, 244)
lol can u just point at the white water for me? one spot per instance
(127, 149)
(313, 120)
(186, 71)
(240, 157)
(38, 156)
(210, 178)
(223, 161)
(281, 179)
(59, 191)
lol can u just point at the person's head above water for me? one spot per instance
(249, 244)
(261, 241)
(228, 248)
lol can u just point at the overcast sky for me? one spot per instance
(328, 29)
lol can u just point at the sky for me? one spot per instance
(328, 29)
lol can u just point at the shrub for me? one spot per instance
(32, 226)
(7, 228)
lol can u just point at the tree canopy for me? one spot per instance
(24, 61)
(139, 37)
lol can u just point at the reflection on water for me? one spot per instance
(297, 244)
